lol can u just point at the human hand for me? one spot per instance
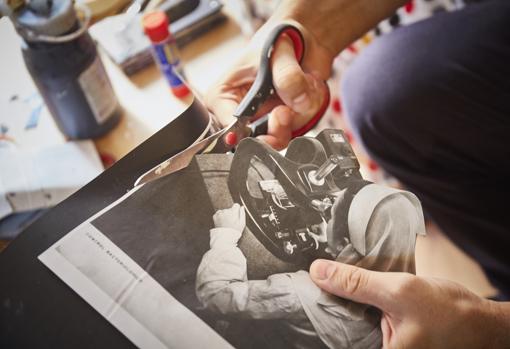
(419, 312)
(301, 90)
(233, 217)
(318, 232)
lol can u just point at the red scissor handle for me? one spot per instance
(262, 88)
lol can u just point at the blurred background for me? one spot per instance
(101, 88)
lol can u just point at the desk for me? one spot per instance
(146, 98)
(148, 105)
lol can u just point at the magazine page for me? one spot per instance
(217, 254)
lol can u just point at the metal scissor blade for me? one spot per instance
(182, 159)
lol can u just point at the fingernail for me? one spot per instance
(302, 102)
(322, 270)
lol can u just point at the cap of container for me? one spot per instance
(155, 26)
(51, 18)
(180, 91)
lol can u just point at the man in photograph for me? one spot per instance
(382, 226)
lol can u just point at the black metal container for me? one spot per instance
(63, 61)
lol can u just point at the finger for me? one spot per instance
(357, 284)
(280, 124)
(386, 330)
(282, 116)
(279, 128)
(288, 77)
(318, 92)
(222, 99)
(222, 104)
(272, 141)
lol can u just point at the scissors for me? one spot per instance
(244, 124)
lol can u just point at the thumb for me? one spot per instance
(289, 79)
(354, 283)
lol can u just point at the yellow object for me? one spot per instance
(104, 8)
(367, 39)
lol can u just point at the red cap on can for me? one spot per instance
(155, 26)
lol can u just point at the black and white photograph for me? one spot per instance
(231, 238)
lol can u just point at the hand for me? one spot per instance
(318, 232)
(301, 90)
(233, 217)
(327, 26)
(419, 312)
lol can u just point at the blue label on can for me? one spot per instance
(169, 62)
(170, 75)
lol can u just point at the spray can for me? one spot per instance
(63, 62)
(165, 52)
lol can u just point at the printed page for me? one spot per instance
(217, 254)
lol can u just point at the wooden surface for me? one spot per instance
(146, 98)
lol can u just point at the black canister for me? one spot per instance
(63, 61)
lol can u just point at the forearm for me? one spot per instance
(222, 287)
(336, 23)
(221, 267)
